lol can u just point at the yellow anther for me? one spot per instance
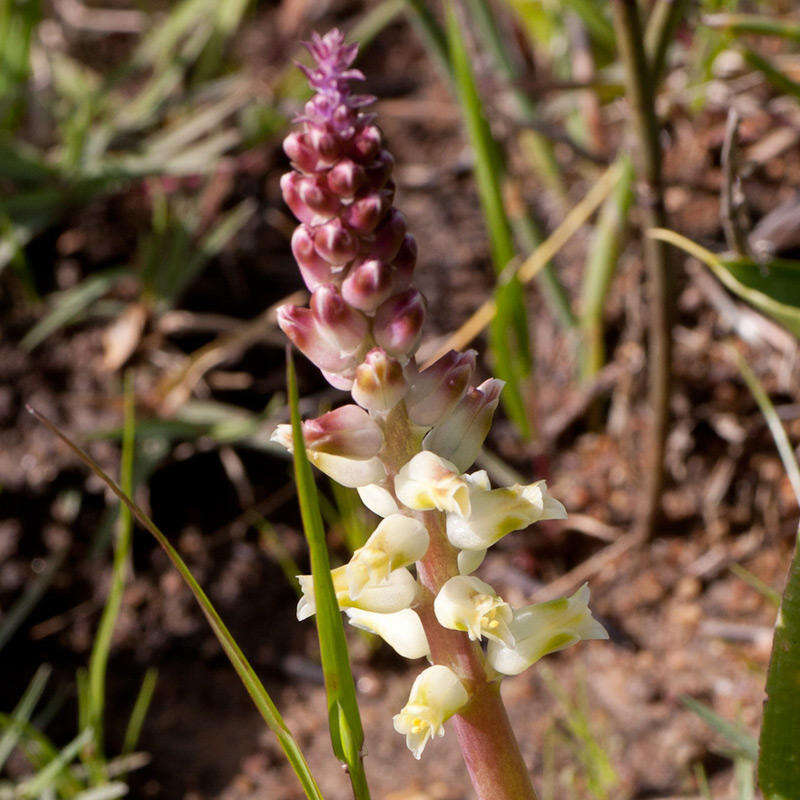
(493, 623)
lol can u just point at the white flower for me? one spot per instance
(427, 481)
(544, 628)
(401, 630)
(397, 592)
(466, 603)
(398, 541)
(436, 695)
(495, 512)
(378, 499)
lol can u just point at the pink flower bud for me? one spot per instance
(366, 143)
(337, 321)
(436, 391)
(367, 285)
(346, 431)
(404, 263)
(302, 155)
(379, 382)
(313, 267)
(346, 177)
(300, 326)
(365, 213)
(388, 237)
(335, 243)
(459, 437)
(325, 144)
(308, 199)
(398, 322)
(379, 169)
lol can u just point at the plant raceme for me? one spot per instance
(411, 435)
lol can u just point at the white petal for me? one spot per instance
(397, 592)
(349, 472)
(428, 481)
(470, 560)
(497, 512)
(545, 628)
(401, 630)
(398, 541)
(378, 500)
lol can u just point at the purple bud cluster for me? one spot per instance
(352, 247)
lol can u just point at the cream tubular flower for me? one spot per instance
(496, 512)
(344, 444)
(544, 628)
(466, 603)
(398, 541)
(401, 630)
(429, 481)
(436, 695)
(397, 592)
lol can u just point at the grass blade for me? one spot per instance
(244, 670)
(785, 449)
(69, 305)
(22, 713)
(509, 331)
(98, 661)
(42, 780)
(779, 81)
(139, 712)
(347, 735)
(734, 734)
(109, 791)
(535, 262)
(779, 759)
(600, 267)
(738, 24)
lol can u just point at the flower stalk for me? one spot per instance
(406, 444)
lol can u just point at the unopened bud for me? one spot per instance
(346, 177)
(302, 155)
(366, 143)
(364, 214)
(404, 263)
(379, 382)
(337, 320)
(315, 270)
(367, 285)
(388, 237)
(435, 391)
(459, 437)
(379, 169)
(346, 431)
(325, 144)
(398, 322)
(335, 243)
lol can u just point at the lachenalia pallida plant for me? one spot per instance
(406, 444)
